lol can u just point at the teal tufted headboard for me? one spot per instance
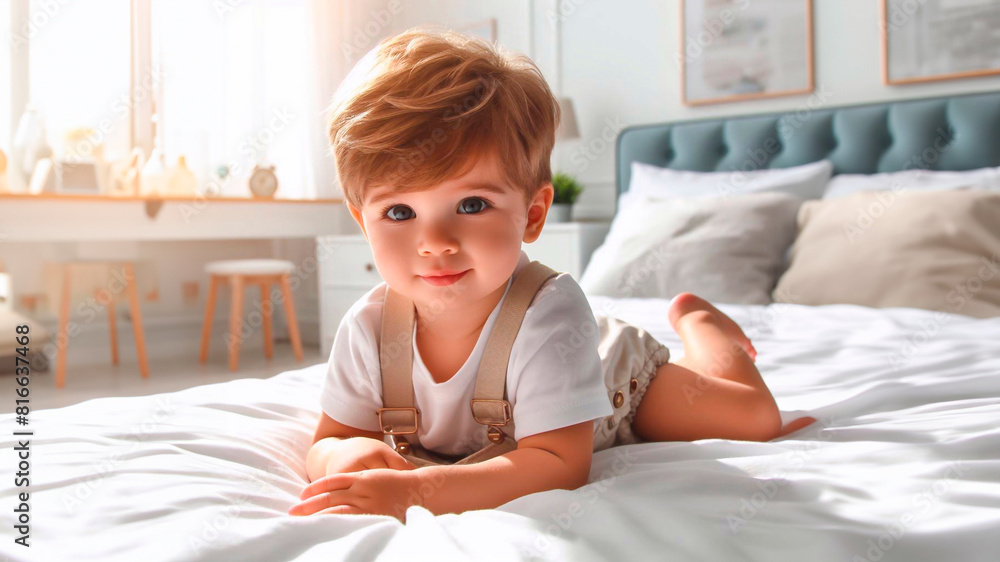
(944, 133)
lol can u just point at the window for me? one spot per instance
(223, 83)
(234, 88)
(79, 72)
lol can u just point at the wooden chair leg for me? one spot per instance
(265, 304)
(293, 324)
(133, 302)
(206, 326)
(62, 341)
(112, 326)
(235, 321)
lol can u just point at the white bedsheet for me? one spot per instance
(903, 465)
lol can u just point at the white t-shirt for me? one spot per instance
(554, 376)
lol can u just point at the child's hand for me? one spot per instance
(376, 492)
(362, 453)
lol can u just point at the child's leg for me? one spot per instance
(715, 390)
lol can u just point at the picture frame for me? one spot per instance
(485, 29)
(720, 42)
(960, 38)
(77, 177)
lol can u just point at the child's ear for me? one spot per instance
(537, 211)
(358, 218)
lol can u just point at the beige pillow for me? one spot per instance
(936, 250)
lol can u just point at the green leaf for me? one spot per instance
(566, 188)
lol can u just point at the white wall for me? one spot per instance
(615, 58)
(618, 65)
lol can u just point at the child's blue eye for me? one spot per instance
(390, 207)
(485, 204)
(478, 205)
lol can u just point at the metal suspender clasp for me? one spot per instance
(400, 444)
(493, 433)
(505, 410)
(389, 428)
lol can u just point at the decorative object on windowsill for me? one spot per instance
(78, 177)
(181, 180)
(153, 179)
(28, 147)
(567, 189)
(263, 182)
(42, 178)
(218, 186)
(124, 176)
(81, 168)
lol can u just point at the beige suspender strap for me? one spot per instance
(398, 415)
(489, 405)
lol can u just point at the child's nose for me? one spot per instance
(437, 239)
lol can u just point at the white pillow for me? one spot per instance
(913, 180)
(728, 250)
(808, 181)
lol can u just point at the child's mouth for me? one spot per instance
(442, 280)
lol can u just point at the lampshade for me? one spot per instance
(567, 124)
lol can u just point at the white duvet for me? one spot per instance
(903, 465)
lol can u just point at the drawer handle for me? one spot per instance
(369, 267)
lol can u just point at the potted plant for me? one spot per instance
(567, 189)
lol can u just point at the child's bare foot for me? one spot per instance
(687, 303)
(796, 425)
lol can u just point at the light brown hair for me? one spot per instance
(432, 102)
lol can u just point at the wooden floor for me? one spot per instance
(84, 382)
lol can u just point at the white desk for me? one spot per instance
(55, 218)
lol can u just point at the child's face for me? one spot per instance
(456, 226)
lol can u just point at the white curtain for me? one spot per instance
(253, 84)
(341, 32)
(324, 21)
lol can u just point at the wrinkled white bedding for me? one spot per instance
(903, 465)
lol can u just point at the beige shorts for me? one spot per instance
(630, 357)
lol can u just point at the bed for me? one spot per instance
(902, 464)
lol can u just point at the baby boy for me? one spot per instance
(442, 147)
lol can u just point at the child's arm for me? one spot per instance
(319, 456)
(554, 459)
(334, 455)
(329, 444)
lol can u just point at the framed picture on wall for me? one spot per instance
(939, 40)
(733, 50)
(487, 29)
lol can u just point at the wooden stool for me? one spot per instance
(133, 301)
(240, 273)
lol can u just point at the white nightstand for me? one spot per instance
(347, 270)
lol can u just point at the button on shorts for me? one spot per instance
(630, 357)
